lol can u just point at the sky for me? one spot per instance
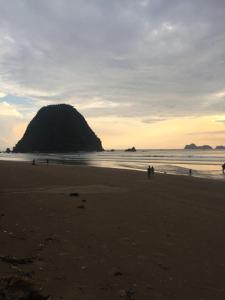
(144, 73)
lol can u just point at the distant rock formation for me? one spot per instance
(220, 147)
(131, 149)
(190, 146)
(58, 128)
(194, 147)
(205, 147)
(7, 150)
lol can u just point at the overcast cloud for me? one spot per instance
(121, 57)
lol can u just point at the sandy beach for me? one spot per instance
(76, 232)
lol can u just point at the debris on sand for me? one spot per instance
(130, 294)
(163, 266)
(80, 206)
(15, 260)
(74, 194)
(127, 294)
(12, 288)
(118, 273)
(21, 273)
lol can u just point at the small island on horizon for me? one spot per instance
(193, 146)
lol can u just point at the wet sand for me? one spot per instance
(76, 232)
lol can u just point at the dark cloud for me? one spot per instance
(159, 57)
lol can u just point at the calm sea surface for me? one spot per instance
(204, 163)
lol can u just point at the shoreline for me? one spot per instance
(177, 162)
(99, 233)
(158, 173)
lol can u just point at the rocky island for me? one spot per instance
(133, 149)
(204, 147)
(220, 147)
(195, 147)
(57, 129)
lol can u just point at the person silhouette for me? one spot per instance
(190, 172)
(152, 171)
(33, 162)
(149, 172)
(223, 167)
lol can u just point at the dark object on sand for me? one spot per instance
(16, 260)
(13, 288)
(130, 294)
(74, 194)
(33, 162)
(58, 128)
(118, 273)
(133, 149)
(127, 294)
(80, 206)
(190, 172)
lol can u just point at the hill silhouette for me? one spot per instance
(58, 128)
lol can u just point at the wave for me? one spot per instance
(203, 163)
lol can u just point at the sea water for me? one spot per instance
(204, 163)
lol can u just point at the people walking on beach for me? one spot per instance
(149, 172)
(33, 162)
(190, 172)
(223, 167)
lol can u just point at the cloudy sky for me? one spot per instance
(148, 73)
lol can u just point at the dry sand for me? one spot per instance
(122, 237)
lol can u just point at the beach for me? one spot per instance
(80, 232)
(203, 163)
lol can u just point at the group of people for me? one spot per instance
(150, 169)
(150, 172)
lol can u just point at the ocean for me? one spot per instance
(204, 163)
